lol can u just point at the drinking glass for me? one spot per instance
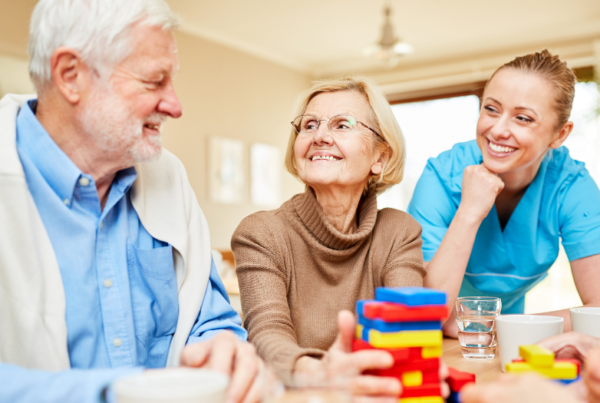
(476, 320)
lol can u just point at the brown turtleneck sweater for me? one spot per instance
(297, 271)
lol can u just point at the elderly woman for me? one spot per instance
(322, 250)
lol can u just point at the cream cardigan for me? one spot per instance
(33, 331)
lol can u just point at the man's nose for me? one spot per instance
(170, 104)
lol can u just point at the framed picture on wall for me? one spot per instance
(265, 163)
(226, 170)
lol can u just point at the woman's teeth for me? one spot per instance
(324, 157)
(501, 149)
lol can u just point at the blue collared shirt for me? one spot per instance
(119, 281)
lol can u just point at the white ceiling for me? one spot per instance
(326, 36)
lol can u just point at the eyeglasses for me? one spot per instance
(339, 124)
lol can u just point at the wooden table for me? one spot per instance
(484, 370)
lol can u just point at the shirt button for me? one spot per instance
(107, 283)
(84, 181)
(117, 342)
(101, 225)
(66, 201)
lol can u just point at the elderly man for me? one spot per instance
(105, 264)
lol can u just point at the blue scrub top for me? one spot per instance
(562, 201)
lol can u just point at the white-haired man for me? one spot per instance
(105, 264)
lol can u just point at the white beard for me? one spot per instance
(115, 132)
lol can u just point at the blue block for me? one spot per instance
(410, 296)
(453, 398)
(399, 326)
(360, 306)
(568, 381)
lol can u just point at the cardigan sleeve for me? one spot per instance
(404, 264)
(263, 291)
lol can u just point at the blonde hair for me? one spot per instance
(550, 67)
(392, 140)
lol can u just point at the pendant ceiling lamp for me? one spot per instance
(389, 48)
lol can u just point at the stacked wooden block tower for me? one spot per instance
(406, 322)
(538, 359)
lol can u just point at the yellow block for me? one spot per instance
(537, 356)
(359, 329)
(412, 378)
(413, 338)
(560, 370)
(422, 399)
(431, 352)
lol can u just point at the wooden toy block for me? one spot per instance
(411, 296)
(412, 378)
(397, 371)
(399, 354)
(457, 379)
(560, 370)
(431, 352)
(575, 362)
(359, 332)
(432, 389)
(389, 312)
(432, 376)
(419, 338)
(454, 397)
(386, 327)
(537, 356)
(423, 399)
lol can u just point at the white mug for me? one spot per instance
(177, 385)
(586, 320)
(518, 330)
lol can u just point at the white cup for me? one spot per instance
(586, 320)
(177, 385)
(518, 330)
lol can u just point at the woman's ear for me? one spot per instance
(382, 157)
(563, 134)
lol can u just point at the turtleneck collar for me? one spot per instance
(312, 216)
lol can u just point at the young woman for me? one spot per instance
(493, 209)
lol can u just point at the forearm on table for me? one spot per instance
(447, 268)
(566, 315)
(77, 386)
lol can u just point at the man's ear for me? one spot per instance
(69, 73)
(563, 134)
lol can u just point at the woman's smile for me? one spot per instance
(497, 150)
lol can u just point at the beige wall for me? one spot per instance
(224, 93)
(229, 94)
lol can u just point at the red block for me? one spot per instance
(431, 376)
(399, 354)
(427, 365)
(390, 312)
(457, 379)
(432, 389)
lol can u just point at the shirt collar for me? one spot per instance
(54, 165)
(56, 168)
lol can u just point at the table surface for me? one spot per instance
(484, 370)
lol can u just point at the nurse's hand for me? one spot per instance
(480, 187)
(571, 345)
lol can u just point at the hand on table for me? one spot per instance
(570, 345)
(528, 388)
(340, 361)
(238, 359)
(480, 187)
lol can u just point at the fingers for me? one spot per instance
(367, 385)
(245, 371)
(371, 359)
(195, 355)
(346, 331)
(570, 345)
(223, 352)
(372, 399)
(591, 375)
(444, 373)
(258, 387)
